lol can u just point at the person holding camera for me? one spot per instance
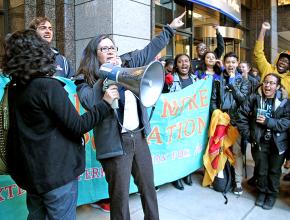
(264, 120)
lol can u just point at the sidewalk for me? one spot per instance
(198, 203)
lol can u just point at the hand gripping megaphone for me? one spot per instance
(145, 82)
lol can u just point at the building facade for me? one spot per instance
(132, 23)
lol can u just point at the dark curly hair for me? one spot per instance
(27, 55)
(175, 69)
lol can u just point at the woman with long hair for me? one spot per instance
(121, 145)
(210, 65)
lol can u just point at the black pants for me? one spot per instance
(136, 161)
(268, 165)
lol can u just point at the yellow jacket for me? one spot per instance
(265, 67)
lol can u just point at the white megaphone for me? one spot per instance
(145, 82)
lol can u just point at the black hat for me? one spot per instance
(285, 53)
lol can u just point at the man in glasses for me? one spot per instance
(281, 66)
(201, 49)
(42, 26)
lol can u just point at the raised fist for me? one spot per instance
(266, 25)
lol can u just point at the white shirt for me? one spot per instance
(131, 119)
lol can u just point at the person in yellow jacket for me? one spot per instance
(281, 65)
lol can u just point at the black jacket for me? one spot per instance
(63, 67)
(107, 135)
(229, 94)
(279, 123)
(45, 149)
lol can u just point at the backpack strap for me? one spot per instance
(227, 169)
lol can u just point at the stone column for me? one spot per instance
(128, 21)
(65, 29)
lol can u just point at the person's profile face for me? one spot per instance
(283, 65)
(44, 30)
(106, 51)
(231, 64)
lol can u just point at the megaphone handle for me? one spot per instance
(115, 104)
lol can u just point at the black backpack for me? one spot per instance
(225, 183)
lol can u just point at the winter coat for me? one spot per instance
(279, 123)
(63, 67)
(229, 96)
(107, 135)
(176, 85)
(45, 149)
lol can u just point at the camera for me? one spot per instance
(268, 135)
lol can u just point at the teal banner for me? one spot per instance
(177, 143)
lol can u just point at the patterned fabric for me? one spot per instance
(221, 137)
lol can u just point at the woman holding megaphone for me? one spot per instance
(120, 140)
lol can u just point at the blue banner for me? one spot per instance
(230, 8)
(177, 143)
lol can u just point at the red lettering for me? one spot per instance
(170, 128)
(172, 109)
(87, 137)
(201, 125)
(95, 172)
(192, 102)
(9, 189)
(179, 130)
(203, 98)
(185, 130)
(93, 142)
(77, 103)
(1, 197)
(154, 136)
(87, 174)
(20, 191)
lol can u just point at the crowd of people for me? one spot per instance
(258, 106)
(43, 121)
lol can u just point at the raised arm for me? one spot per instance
(145, 56)
(259, 55)
(220, 43)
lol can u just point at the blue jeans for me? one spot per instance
(58, 204)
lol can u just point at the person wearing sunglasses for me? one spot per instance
(264, 121)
